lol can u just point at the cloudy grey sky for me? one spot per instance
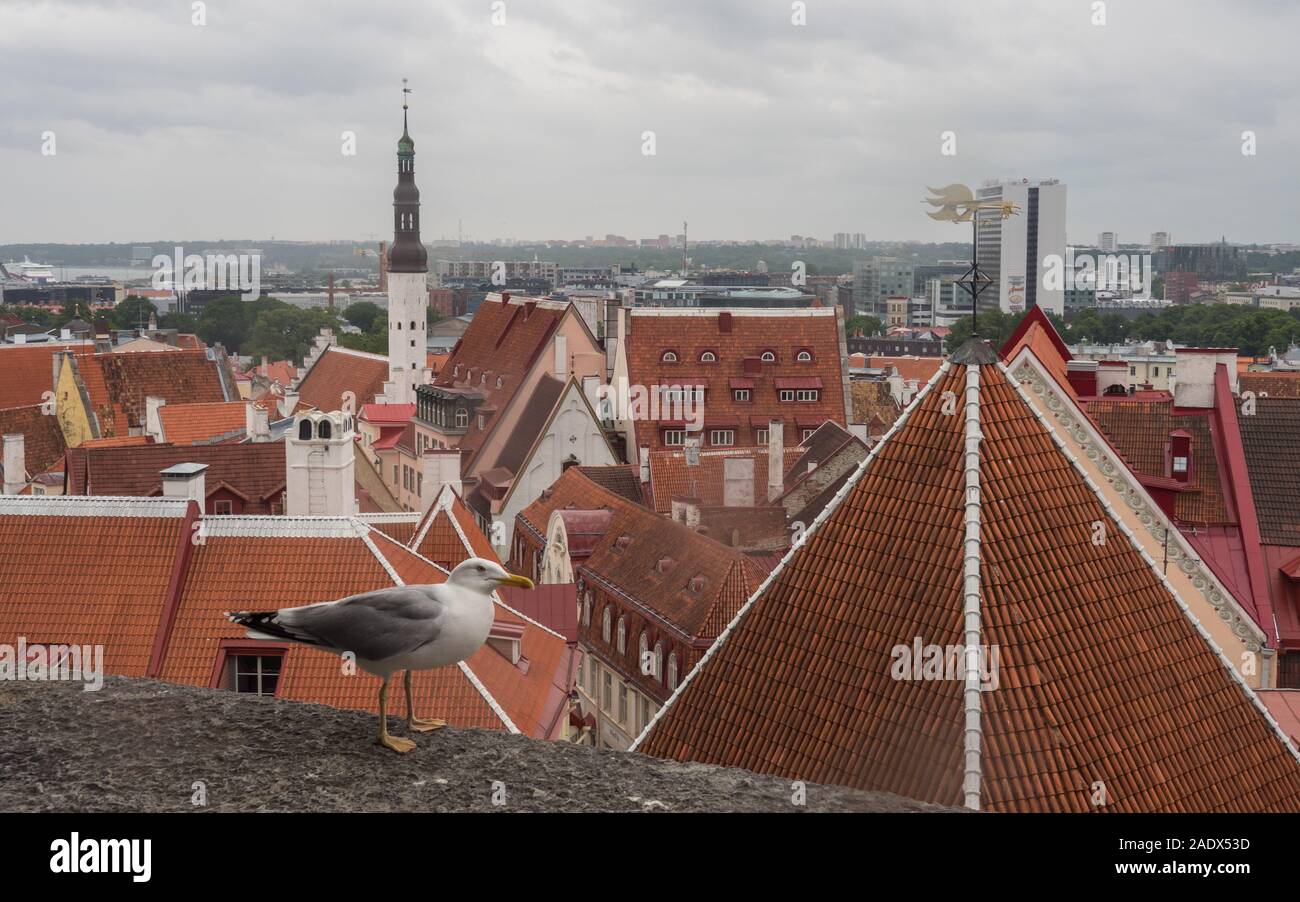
(532, 128)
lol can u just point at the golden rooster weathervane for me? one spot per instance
(957, 203)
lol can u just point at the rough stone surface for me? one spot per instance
(141, 745)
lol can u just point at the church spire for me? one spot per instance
(407, 253)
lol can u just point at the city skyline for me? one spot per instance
(536, 126)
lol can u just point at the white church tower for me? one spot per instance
(319, 476)
(408, 297)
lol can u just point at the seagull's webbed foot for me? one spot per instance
(419, 724)
(396, 743)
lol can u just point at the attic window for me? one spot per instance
(304, 431)
(500, 380)
(254, 674)
(606, 623)
(669, 357)
(708, 357)
(768, 357)
(622, 635)
(804, 356)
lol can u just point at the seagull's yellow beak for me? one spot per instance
(522, 582)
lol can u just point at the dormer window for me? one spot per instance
(804, 356)
(668, 357)
(622, 543)
(672, 671)
(708, 357)
(768, 357)
(1180, 455)
(586, 610)
(696, 585)
(462, 418)
(500, 381)
(304, 431)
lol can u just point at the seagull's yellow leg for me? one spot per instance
(395, 743)
(416, 723)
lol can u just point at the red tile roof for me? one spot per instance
(119, 383)
(1274, 385)
(185, 424)
(255, 469)
(27, 372)
(670, 475)
(43, 443)
(734, 336)
(621, 479)
(387, 414)
(805, 684)
(1271, 439)
(447, 533)
(502, 342)
(339, 370)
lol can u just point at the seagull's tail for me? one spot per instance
(264, 625)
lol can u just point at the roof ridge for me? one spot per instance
(91, 505)
(363, 532)
(776, 571)
(971, 557)
(1124, 529)
(487, 696)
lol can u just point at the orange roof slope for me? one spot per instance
(119, 383)
(97, 577)
(447, 533)
(26, 373)
(340, 370)
(43, 442)
(1102, 674)
(185, 424)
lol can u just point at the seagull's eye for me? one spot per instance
(480, 569)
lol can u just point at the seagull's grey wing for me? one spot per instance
(374, 625)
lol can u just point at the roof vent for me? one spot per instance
(696, 585)
(664, 565)
(622, 542)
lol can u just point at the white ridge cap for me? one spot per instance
(91, 506)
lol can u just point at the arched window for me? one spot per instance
(672, 671)
(412, 324)
(804, 357)
(708, 357)
(669, 357)
(304, 431)
(642, 646)
(606, 623)
(622, 635)
(659, 661)
(768, 357)
(323, 430)
(586, 610)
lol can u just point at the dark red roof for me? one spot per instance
(806, 684)
(255, 469)
(340, 370)
(118, 384)
(43, 443)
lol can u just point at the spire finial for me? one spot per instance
(405, 91)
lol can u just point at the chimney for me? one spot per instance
(257, 422)
(686, 510)
(441, 469)
(1111, 373)
(320, 475)
(724, 322)
(185, 481)
(288, 403)
(1194, 370)
(152, 419)
(1083, 377)
(775, 459)
(266, 367)
(15, 462)
(645, 464)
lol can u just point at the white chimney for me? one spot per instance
(185, 481)
(1194, 370)
(320, 474)
(288, 404)
(257, 422)
(15, 461)
(645, 463)
(775, 459)
(441, 468)
(152, 420)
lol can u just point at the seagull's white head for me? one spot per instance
(484, 576)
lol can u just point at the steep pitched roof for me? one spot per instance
(340, 370)
(670, 475)
(621, 479)
(733, 336)
(186, 424)
(43, 442)
(447, 533)
(256, 469)
(27, 371)
(973, 528)
(118, 384)
(1271, 438)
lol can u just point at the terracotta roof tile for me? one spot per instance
(26, 373)
(922, 369)
(872, 397)
(43, 443)
(340, 370)
(185, 424)
(119, 383)
(670, 475)
(256, 469)
(1274, 385)
(1102, 674)
(444, 531)
(621, 479)
(784, 333)
(1271, 438)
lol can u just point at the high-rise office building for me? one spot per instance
(1107, 242)
(1013, 251)
(877, 279)
(1159, 240)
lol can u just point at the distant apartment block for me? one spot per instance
(876, 280)
(483, 270)
(1159, 240)
(1012, 251)
(1108, 242)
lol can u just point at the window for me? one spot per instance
(222, 507)
(622, 635)
(304, 431)
(787, 394)
(708, 357)
(669, 357)
(586, 610)
(593, 673)
(722, 437)
(1180, 464)
(622, 703)
(462, 418)
(254, 674)
(324, 430)
(806, 434)
(674, 436)
(642, 646)
(806, 394)
(1155, 371)
(642, 712)
(804, 357)
(742, 394)
(1133, 371)
(606, 623)
(768, 357)
(607, 692)
(659, 661)
(672, 671)
(760, 436)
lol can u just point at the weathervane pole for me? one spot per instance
(957, 203)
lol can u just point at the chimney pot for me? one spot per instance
(15, 463)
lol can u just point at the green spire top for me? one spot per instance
(405, 145)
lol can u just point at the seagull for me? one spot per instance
(401, 628)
